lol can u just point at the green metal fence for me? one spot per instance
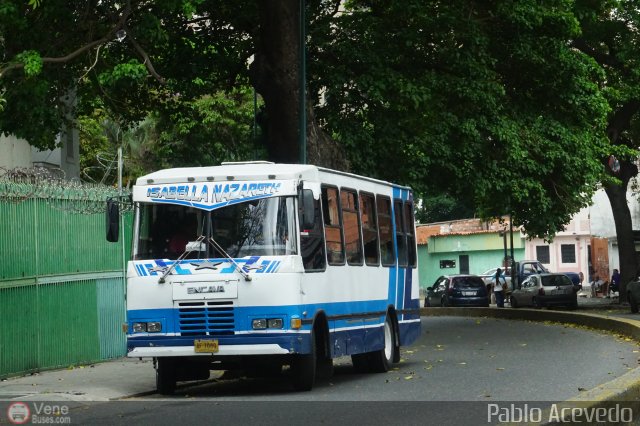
(62, 290)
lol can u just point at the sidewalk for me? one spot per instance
(104, 381)
(602, 303)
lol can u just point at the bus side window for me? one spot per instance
(387, 254)
(401, 237)
(410, 231)
(351, 226)
(332, 226)
(312, 243)
(369, 229)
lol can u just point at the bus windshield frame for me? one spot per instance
(262, 227)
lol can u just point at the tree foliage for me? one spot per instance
(610, 36)
(490, 103)
(485, 102)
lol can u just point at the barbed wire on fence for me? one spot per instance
(23, 183)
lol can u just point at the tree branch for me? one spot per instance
(621, 120)
(63, 59)
(147, 60)
(601, 58)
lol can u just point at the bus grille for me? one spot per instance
(210, 318)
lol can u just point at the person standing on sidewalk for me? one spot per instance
(499, 288)
(615, 282)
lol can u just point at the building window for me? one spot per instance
(568, 253)
(542, 254)
(445, 264)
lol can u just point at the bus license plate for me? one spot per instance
(206, 346)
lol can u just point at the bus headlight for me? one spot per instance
(264, 323)
(139, 327)
(274, 323)
(147, 327)
(154, 327)
(259, 324)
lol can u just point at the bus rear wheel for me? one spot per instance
(381, 360)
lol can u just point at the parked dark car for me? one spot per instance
(457, 290)
(540, 290)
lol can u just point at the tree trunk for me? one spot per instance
(619, 122)
(275, 74)
(624, 230)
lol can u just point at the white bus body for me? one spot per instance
(319, 264)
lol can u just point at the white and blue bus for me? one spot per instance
(257, 265)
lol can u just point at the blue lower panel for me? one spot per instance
(409, 332)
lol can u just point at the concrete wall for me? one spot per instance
(15, 152)
(578, 234)
(485, 250)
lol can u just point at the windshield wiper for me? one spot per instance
(216, 246)
(181, 257)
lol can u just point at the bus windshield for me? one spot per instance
(264, 227)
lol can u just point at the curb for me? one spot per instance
(624, 388)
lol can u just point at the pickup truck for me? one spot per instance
(525, 268)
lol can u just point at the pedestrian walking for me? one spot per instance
(499, 288)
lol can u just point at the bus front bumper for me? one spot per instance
(223, 350)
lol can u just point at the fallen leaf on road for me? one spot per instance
(499, 368)
(408, 377)
(462, 363)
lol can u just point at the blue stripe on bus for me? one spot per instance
(400, 296)
(243, 314)
(140, 270)
(347, 341)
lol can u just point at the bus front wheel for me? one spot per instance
(303, 369)
(166, 376)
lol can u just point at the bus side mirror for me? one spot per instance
(307, 208)
(113, 220)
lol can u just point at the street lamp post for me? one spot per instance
(302, 145)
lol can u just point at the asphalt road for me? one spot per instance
(457, 368)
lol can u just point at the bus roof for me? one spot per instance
(246, 171)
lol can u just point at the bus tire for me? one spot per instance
(381, 360)
(633, 303)
(360, 362)
(166, 376)
(303, 368)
